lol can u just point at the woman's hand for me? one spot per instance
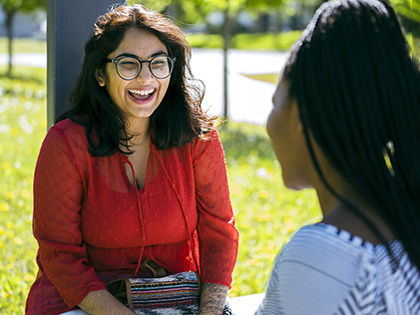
(213, 299)
(103, 303)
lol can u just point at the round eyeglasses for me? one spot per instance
(129, 68)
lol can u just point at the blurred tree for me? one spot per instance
(230, 11)
(11, 8)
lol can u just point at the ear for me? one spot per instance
(99, 75)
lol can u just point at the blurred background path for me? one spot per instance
(249, 99)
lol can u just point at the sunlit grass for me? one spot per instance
(265, 77)
(267, 213)
(261, 41)
(33, 78)
(24, 45)
(266, 41)
(22, 128)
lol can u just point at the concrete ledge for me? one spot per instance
(246, 305)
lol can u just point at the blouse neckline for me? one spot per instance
(348, 237)
(125, 160)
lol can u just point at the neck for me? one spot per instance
(330, 204)
(139, 130)
(338, 214)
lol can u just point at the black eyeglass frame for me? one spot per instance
(115, 61)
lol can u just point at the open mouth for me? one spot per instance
(142, 95)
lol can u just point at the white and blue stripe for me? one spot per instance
(324, 270)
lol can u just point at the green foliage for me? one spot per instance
(156, 5)
(235, 6)
(408, 9)
(22, 5)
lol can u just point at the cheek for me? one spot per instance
(274, 126)
(277, 140)
(269, 126)
(114, 87)
(115, 95)
(163, 89)
(276, 129)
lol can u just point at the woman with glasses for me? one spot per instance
(346, 122)
(134, 171)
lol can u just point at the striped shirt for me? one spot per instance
(324, 270)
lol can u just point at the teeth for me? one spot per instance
(142, 92)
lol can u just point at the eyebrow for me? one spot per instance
(158, 53)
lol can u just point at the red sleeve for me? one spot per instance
(218, 237)
(58, 194)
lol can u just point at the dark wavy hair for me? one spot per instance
(178, 119)
(358, 93)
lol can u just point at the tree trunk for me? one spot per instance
(9, 29)
(227, 36)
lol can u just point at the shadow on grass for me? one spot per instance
(24, 81)
(31, 78)
(24, 74)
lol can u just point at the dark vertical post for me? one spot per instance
(70, 23)
(227, 37)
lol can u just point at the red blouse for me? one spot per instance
(93, 226)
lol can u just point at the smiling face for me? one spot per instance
(286, 132)
(137, 98)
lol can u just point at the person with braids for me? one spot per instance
(133, 171)
(346, 122)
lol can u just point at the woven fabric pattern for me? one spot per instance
(179, 294)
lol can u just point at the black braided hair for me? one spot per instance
(358, 92)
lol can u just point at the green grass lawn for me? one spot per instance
(27, 45)
(260, 41)
(265, 77)
(22, 128)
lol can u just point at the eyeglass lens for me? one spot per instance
(160, 67)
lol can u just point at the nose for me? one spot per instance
(145, 73)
